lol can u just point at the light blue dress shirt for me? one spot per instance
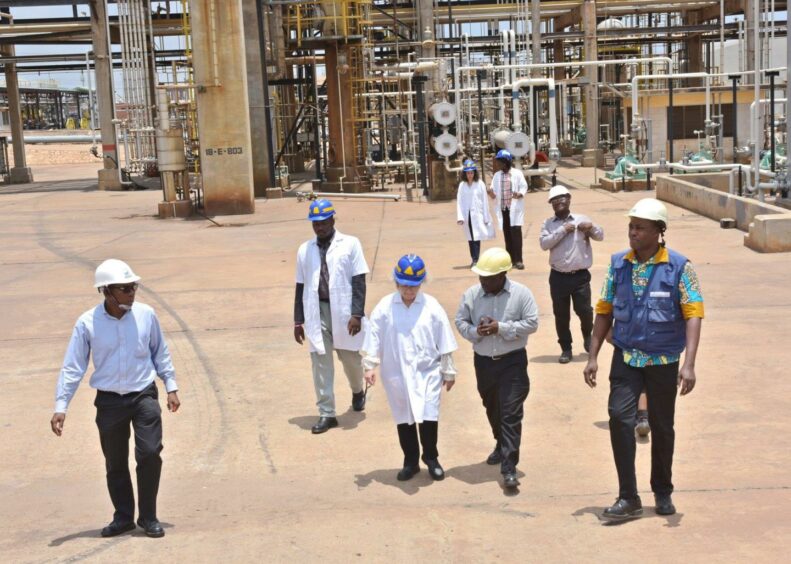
(127, 354)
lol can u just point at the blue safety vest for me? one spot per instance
(652, 323)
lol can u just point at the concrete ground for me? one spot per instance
(244, 479)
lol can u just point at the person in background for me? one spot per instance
(508, 189)
(567, 237)
(472, 209)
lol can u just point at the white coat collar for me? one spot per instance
(335, 239)
(419, 299)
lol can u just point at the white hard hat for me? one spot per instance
(114, 271)
(493, 262)
(649, 208)
(556, 191)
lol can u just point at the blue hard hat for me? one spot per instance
(321, 210)
(469, 165)
(410, 270)
(504, 155)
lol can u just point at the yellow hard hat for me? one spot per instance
(649, 208)
(492, 262)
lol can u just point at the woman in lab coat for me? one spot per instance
(508, 189)
(472, 209)
(409, 338)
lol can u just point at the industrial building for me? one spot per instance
(370, 96)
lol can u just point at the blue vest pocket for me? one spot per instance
(661, 310)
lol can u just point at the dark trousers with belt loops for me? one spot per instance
(503, 385)
(626, 384)
(513, 237)
(565, 289)
(114, 414)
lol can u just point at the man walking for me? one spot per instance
(496, 317)
(129, 351)
(508, 189)
(329, 306)
(652, 300)
(567, 237)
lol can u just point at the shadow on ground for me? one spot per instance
(96, 533)
(648, 513)
(387, 477)
(346, 421)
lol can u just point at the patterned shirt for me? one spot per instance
(505, 184)
(691, 300)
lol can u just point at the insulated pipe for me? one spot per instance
(667, 60)
(554, 154)
(333, 195)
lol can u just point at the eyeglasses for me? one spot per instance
(125, 288)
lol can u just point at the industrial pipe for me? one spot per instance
(554, 153)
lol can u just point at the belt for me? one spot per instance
(570, 271)
(501, 356)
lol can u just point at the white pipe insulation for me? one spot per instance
(554, 153)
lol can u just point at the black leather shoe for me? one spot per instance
(624, 509)
(407, 472)
(510, 481)
(115, 528)
(358, 401)
(664, 505)
(323, 425)
(434, 469)
(152, 528)
(565, 357)
(496, 457)
(519, 266)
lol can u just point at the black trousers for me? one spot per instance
(626, 385)
(114, 413)
(513, 237)
(475, 246)
(503, 386)
(407, 436)
(566, 289)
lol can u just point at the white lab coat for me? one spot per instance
(518, 185)
(472, 203)
(345, 259)
(409, 342)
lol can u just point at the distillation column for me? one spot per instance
(592, 155)
(221, 85)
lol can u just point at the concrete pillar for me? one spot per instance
(219, 62)
(255, 95)
(20, 173)
(108, 176)
(591, 50)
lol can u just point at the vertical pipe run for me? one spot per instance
(772, 75)
(479, 74)
(316, 140)
(734, 80)
(670, 122)
(265, 75)
(417, 84)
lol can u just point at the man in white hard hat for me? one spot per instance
(496, 316)
(567, 237)
(651, 299)
(125, 340)
(329, 306)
